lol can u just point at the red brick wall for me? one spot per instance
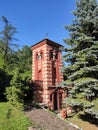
(42, 69)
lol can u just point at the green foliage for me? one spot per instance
(14, 93)
(6, 38)
(12, 118)
(19, 91)
(93, 111)
(15, 68)
(25, 61)
(82, 56)
(4, 82)
(1, 61)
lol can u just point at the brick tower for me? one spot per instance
(46, 73)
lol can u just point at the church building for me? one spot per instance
(47, 74)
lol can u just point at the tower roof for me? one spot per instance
(46, 41)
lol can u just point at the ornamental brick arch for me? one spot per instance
(56, 98)
(46, 73)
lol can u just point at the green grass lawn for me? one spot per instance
(12, 118)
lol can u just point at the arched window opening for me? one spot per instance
(39, 56)
(51, 55)
(56, 55)
(53, 73)
(50, 97)
(36, 56)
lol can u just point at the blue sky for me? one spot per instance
(35, 18)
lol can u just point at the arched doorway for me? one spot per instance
(55, 101)
(56, 98)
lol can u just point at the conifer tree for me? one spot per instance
(6, 38)
(82, 57)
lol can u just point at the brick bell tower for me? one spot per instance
(46, 73)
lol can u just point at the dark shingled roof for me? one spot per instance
(48, 42)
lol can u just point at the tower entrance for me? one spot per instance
(55, 101)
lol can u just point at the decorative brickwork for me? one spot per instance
(46, 73)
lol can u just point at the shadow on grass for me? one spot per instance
(8, 113)
(89, 119)
(29, 107)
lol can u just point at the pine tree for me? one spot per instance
(82, 57)
(6, 38)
